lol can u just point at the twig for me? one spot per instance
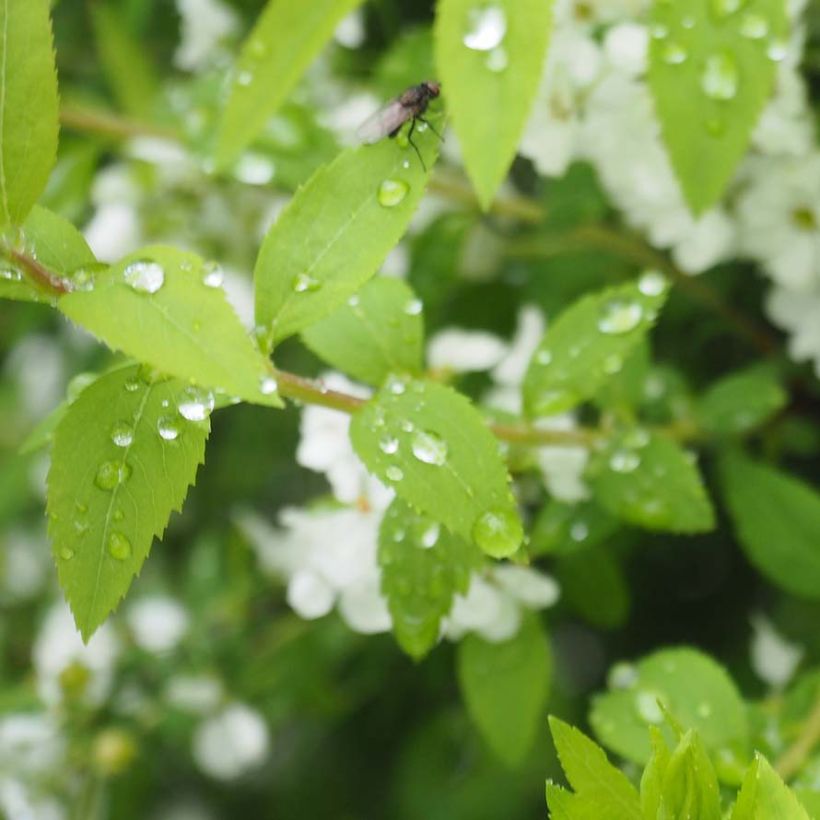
(792, 760)
(108, 124)
(42, 276)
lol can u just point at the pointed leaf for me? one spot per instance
(653, 775)
(764, 796)
(690, 787)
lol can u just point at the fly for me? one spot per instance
(411, 105)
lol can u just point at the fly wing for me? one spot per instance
(384, 122)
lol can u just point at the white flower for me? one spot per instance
(206, 24)
(463, 351)
(18, 803)
(37, 365)
(785, 126)
(529, 331)
(29, 744)
(231, 743)
(58, 646)
(24, 565)
(532, 588)
(362, 606)
(799, 314)
(351, 32)
(198, 694)
(239, 292)
(113, 231)
(774, 658)
(626, 47)
(157, 623)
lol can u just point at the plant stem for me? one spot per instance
(791, 761)
(42, 276)
(108, 124)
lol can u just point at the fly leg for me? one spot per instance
(415, 147)
(430, 126)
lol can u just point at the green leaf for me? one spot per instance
(185, 327)
(284, 42)
(28, 106)
(764, 796)
(336, 232)
(423, 567)
(121, 463)
(505, 687)
(433, 448)
(650, 481)
(653, 775)
(777, 519)
(690, 787)
(563, 528)
(379, 331)
(589, 342)
(695, 690)
(125, 62)
(490, 57)
(591, 775)
(741, 401)
(711, 70)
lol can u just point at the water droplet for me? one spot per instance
(112, 473)
(354, 300)
(429, 538)
(778, 50)
(498, 532)
(168, 428)
(144, 276)
(413, 307)
(81, 525)
(122, 434)
(396, 386)
(405, 164)
(688, 22)
(66, 553)
(244, 78)
(726, 8)
(267, 385)
(754, 26)
(647, 706)
(618, 317)
(118, 515)
(119, 546)
(392, 192)
(497, 60)
(429, 448)
(652, 283)
(636, 438)
(389, 445)
(624, 461)
(195, 403)
(704, 710)
(659, 31)
(674, 54)
(10, 274)
(305, 283)
(622, 676)
(394, 473)
(579, 531)
(543, 357)
(720, 78)
(486, 28)
(613, 364)
(132, 385)
(408, 426)
(254, 169)
(212, 275)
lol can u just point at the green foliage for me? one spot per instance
(433, 448)
(712, 66)
(505, 687)
(764, 795)
(490, 57)
(588, 343)
(566, 528)
(283, 43)
(423, 568)
(653, 775)
(122, 461)
(336, 231)
(650, 481)
(164, 307)
(379, 331)
(696, 691)
(689, 787)
(28, 107)
(777, 518)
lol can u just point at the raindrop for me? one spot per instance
(486, 28)
(429, 448)
(168, 428)
(688, 22)
(396, 386)
(353, 301)
(652, 283)
(674, 54)
(10, 274)
(647, 706)
(132, 385)
(392, 192)
(394, 473)
(579, 531)
(244, 78)
(80, 525)
(618, 317)
(83, 279)
(622, 676)
(389, 445)
(257, 48)
(267, 385)
(429, 538)
(122, 434)
(195, 403)
(408, 426)
(543, 357)
(725, 8)
(144, 276)
(659, 31)
(624, 461)
(212, 275)
(119, 546)
(777, 51)
(254, 169)
(118, 515)
(304, 283)
(413, 307)
(720, 78)
(498, 532)
(66, 553)
(112, 473)
(754, 26)
(497, 60)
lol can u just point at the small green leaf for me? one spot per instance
(505, 687)
(490, 56)
(433, 448)
(741, 401)
(28, 106)
(591, 775)
(283, 43)
(589, 342)
(764, 796)
(122, 461)
(690, 787)
(423, 567)
(336, 232)
(777, 519)
(650, 481)
(563, 528)
(653, 775)
(159, 306)
(711, 70)
(379, 331)
(695, 690)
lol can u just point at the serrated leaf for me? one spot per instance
(282, 44)
(505, 687)
(490, 57)
(184, 327)
(28, 106)
(653, 775)
(563, 528)
(336, 232)
(423, 568)
(764, 795)
(711, 70)
(431, 445)
(564, 805)
(591, 775)
(589, 342)
(649, 480)
(741, 401)
(694, 688)
(776, 519)
(690, 787)
(380, 330)
(113, 483)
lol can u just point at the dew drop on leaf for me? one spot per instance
(168, 428)
(429, 538)
(622, 676)
(726, 8)
(579, 531)
(777, 51)
(720, 77)
(619, 317)
(394, 473)
(498, 532)
(647, 706)
(389, 445)
(267, 385)
(122, 434)
(303, 283)
(212, 275)
(754, 26)
(624, 461)
(195, 403)
(392, 192)
(497, 60)
(110, 474)
(244, 78)
(119, 546)
(674, 54)
(486, 28)
(413, 307)
(429, 448)
(652, 283)
(66, 553)
(543, 357)
(10, 274)
(144, 276)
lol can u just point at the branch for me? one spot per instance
(792, 760)
(47, 280)
(108, 124)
